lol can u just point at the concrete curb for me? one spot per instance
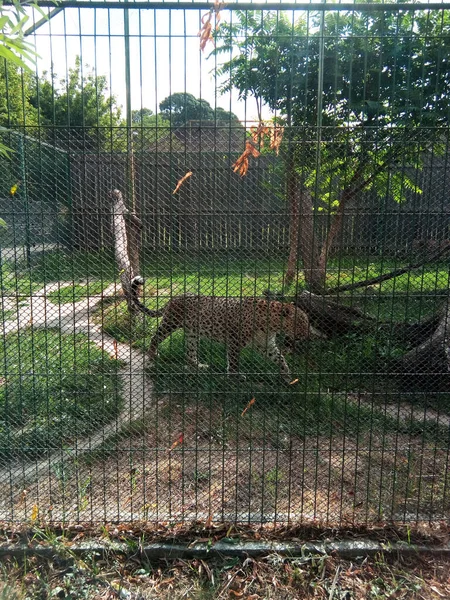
(346, 549)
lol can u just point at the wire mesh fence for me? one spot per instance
(253, 328)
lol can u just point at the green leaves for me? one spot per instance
(386, 84)
(13, 47)
(14, 50)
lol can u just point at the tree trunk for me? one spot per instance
(121, 245)
(301, 233)
(294, 218)
(354, 186)
(134, 229)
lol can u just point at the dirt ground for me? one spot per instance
(150, 476)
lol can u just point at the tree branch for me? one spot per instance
(391, 275)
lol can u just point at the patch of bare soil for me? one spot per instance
(180, 466)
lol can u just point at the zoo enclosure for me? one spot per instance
(358, 438)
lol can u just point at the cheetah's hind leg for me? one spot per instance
(192, 351)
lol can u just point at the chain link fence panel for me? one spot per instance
(299, 308)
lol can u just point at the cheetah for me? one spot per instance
(236, 322)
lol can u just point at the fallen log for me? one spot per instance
(427, 365)
(329, 316)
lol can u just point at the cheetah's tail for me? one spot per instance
(136, 282)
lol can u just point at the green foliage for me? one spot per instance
(276, 59)
(142, 117)
(148, 128)
(53, 387)
(16, 55)
(81, 108)
(385, 75)
(13, 47)
(16, 88)
(181, 107)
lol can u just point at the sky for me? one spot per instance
(165, 54)
(164, 47)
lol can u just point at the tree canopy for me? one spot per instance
(383, 75)
(16, 89)
(143, 117)
(79, 110)
(361, 94)
(181, 107)
(377, 68)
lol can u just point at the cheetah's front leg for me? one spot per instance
(274, 354)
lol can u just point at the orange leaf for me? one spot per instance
(252, 401)
(259, 132)
(252, 151)
(205, 33)
(274, 132)
(181, 181)
(209, 520)
(206, 29)
(241, 165)
(276, 137)
(177, 442)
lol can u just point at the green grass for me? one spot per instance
(54, 388)
(218, 273)
(74, 266)
(329, 372)
(53, 266)
(76, 293)
(15, 281)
